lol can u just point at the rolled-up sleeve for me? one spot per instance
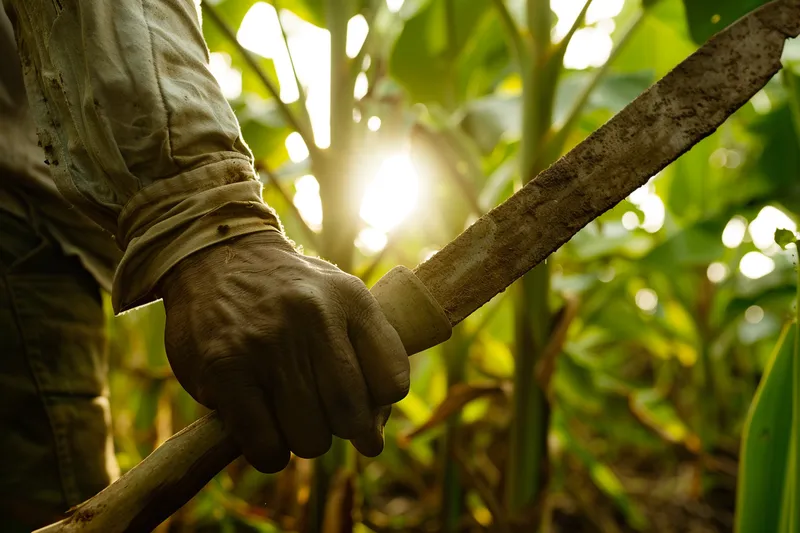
(137, 132)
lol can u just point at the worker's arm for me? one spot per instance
(140, 138)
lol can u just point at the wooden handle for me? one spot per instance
(171, 475)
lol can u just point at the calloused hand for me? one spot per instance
(289, 349)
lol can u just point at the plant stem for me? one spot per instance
(528, 443)
(561, 48)
(300, 90)
(338, 193)
(339, 189)
(526, 476)
(251, 61)
(455, 352)
(556, 144)
(513, 33)
(794, 461)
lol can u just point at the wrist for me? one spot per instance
(177, 217)
(209, 259)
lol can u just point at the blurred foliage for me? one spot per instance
(658, 340)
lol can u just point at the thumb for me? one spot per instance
(370, 444)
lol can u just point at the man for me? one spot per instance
(139, 139)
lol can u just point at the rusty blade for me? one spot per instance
(665, 121)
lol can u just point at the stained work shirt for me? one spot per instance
(136, 131)
(27, 189)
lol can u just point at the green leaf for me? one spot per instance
(777, 176)
(429, 46)
(696, 245)
(499, 116)
(312, 11)
(603, 477)
(660, 43)
(766, 444)
(657, 413)
(784, 237)
(707, 17)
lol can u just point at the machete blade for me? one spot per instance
(664, 122)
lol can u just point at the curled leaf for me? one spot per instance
(457, 398)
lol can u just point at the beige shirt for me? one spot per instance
(137, 132)
(26, 187)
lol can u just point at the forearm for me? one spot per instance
(137, 132)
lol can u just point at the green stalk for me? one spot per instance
(513, 34)
(252, 62)
(526, 474)
(558, 139)
(454, 350)
(306, 117)
(794, 463)
(528, 444)
(339, 196)
(339, 191)
(452, 508)
(790, 82)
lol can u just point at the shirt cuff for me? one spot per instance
(176, 217)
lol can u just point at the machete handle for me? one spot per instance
(170, 476)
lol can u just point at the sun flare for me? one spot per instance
(392, 195)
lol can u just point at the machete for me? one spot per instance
(684, 107)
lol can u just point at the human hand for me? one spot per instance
(289, 349)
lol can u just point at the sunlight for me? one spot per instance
(374, 123)
(717, 272)
(630, 220)
(722, 157)
(392, 194)
(307, 201)
(568, 10)
(361, 86)
(754, 314)
(357, 30)
(371, 241)
(394, 5)
(733, 234)
(296, 147)
(647, 300)
(649, 203)
(590, 46)
(755, 265)
(260, 33)
(761, 102)
(229, 78)
(762, 228)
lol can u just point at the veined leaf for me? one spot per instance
(760, 498)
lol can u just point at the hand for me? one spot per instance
(289, 349)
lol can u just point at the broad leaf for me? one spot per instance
(707, 17)
(424, 56)
(766, 444)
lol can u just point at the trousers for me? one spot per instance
(55, 440)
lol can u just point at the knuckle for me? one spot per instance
(303, 296)
(353, 288)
